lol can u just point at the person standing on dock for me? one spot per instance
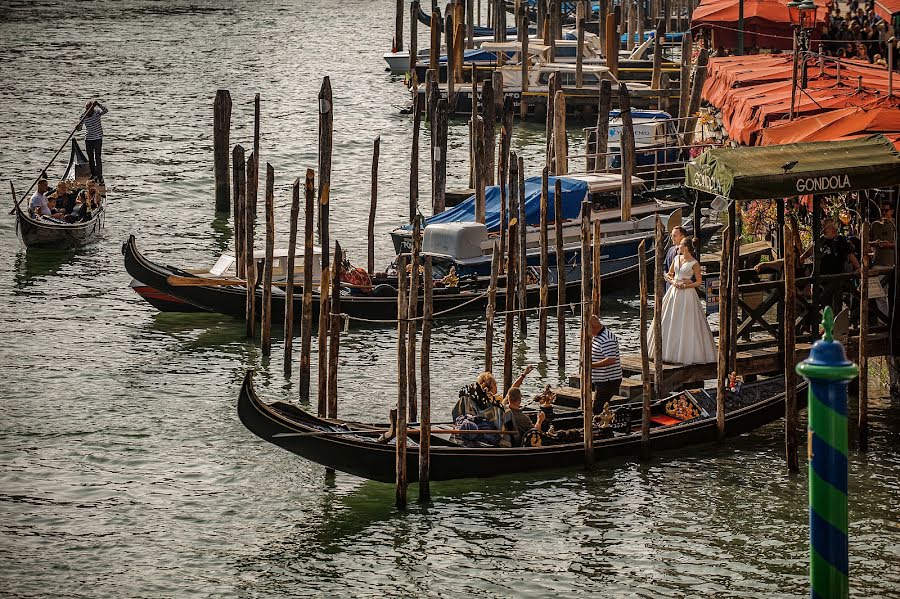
(606, 364)
(677, 235)
(93, 138)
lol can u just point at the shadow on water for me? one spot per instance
(222, 231)
(33, 265)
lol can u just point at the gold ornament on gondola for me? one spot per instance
(606, 417)
(451, 280)
(681, 408)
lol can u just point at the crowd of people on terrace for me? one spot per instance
(857, 33)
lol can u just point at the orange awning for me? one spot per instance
(887, 8)
(835, 124)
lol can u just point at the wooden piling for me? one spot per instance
(627, 156)
(250, 257)
(863, 423)
(510, 305)
(579, 50)
(550, 121)
(434, 52)
(449, 33)
(324, 326)
(697, 82)
(221, 143)
(335, 334)
(289, 286)
(658, 291)
(630, 25)
(425, 370)
(658, 40)
(665, 93)
(645, 352)
(439, 182)
(414, 158)
(459, 44)
(733, 288)
(526, 65)
(326, 134)
(489, 112)
(506, 129)
(239, 175)
(373, 202)
(554, 18)
(724, 329)
(306, 312)
(478, 131)
(491, 311)
(602, 15)
(545, 263)
(684, 80)
(602, 130)
(560, 153)
(252, 199)
(470, 24)
(560, 277)
(595, 267)
(587, 405)
(402, 310)
(612, 46)
(398, 27)
(412, 390)
(521, 301)
(266, 341)
(790, 331)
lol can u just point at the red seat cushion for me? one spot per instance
(664, 420)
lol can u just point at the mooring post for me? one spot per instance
(550, 122)
(790, 332)
(509, 305)
(658, 291)
(645, 352)
(579, 48)
(250, 256)
(627, 156)
(684, 80)
(612, 46)
(863, 423)
(697, 82)
(373, 202)
(489, 112)
(545, 261)
(306, 314)
(326, 133)
(324, 326)
(560, 277)
(630, 25)
(289, 285)
(657, 53)
(425, 369)
(335, 323)
(221, 143)
(402, 385)
(828, 371)
(724, 329)
(414, 156)
(595, 268)
(665, 93)
(523, 251)
(412, 392)
(560, 144)
(413, 35)
(253, 198)
(491, 311)
(398, 27)
(266, 341)
(587, 405)
(478, 130)
(602, 131)
(434, 52)
(439, 158)
(449, 34)
(239, 174)
(734, 287)
(526, 66)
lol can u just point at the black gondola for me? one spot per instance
(353, 447)
(231, 299)
(47, 233)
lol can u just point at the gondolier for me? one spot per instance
(93, 138)
(606, 365)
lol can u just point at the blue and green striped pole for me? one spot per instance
(828, 372)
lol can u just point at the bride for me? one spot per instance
(685, 334)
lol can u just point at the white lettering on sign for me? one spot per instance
(703, 180)
(834, 182)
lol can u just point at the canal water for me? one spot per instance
(124, 470)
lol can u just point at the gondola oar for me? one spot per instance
(49, 164)
(409, 432)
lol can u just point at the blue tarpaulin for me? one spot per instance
(573, 193)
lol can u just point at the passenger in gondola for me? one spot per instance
(65, 201)
(514, 420)
(480, 406)
(39, 204)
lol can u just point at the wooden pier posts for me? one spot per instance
(250, 258)
(266, 341)
(289, 286)
(526, 65)
(545, 264)
(334, 320)
(306, 313)
(550, 121)
(724, 330)
(326, 133)
(478, 132)
(697, 82)
(612, 46)
(411, 394)
(439, 158)
(221, 143)
(790, 331)
(425, 371)
(239, 175)
(521, 292)
(560, 277)
(434, 52)
(402, 312)
(595, 268)
(586, 354)
(645, 352)
(658, 292)
(491, 310)
(398, 27)
(489, 113)
(627, 157)
(684, 91)
(413, 35)
(658, 40)
(414, 155)
(324, 326)
(256, 118)
(602, 132)
(560, 150)
(863, 424)
(510, 305)
(579, 49)
(373, 203)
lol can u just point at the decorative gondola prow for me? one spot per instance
(392, 431)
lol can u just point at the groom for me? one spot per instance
(677, 235)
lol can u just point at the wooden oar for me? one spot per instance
(180, 281)
(381, 431)
(33, 183)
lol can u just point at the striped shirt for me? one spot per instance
(92, 126)
(605, 345)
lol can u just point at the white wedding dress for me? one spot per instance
(686, 338)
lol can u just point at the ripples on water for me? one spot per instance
(125, 471)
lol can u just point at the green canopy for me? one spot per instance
(770, 172)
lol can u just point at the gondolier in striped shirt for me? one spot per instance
(93, 137)
(606, 364)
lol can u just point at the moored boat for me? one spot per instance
(43, 232)
(354, 448)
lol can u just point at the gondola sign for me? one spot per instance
(711, 287)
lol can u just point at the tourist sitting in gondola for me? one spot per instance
(481, 408)
(65, 200)
(39, 204)
(514, 420)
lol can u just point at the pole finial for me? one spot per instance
(828, 323)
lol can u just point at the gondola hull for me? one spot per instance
(231, 300)
(289, 427)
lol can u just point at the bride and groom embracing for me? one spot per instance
(685, 334)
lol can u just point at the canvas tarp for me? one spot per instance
(836, 124)
(573, 192)
(755, 173)
(767, 23)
